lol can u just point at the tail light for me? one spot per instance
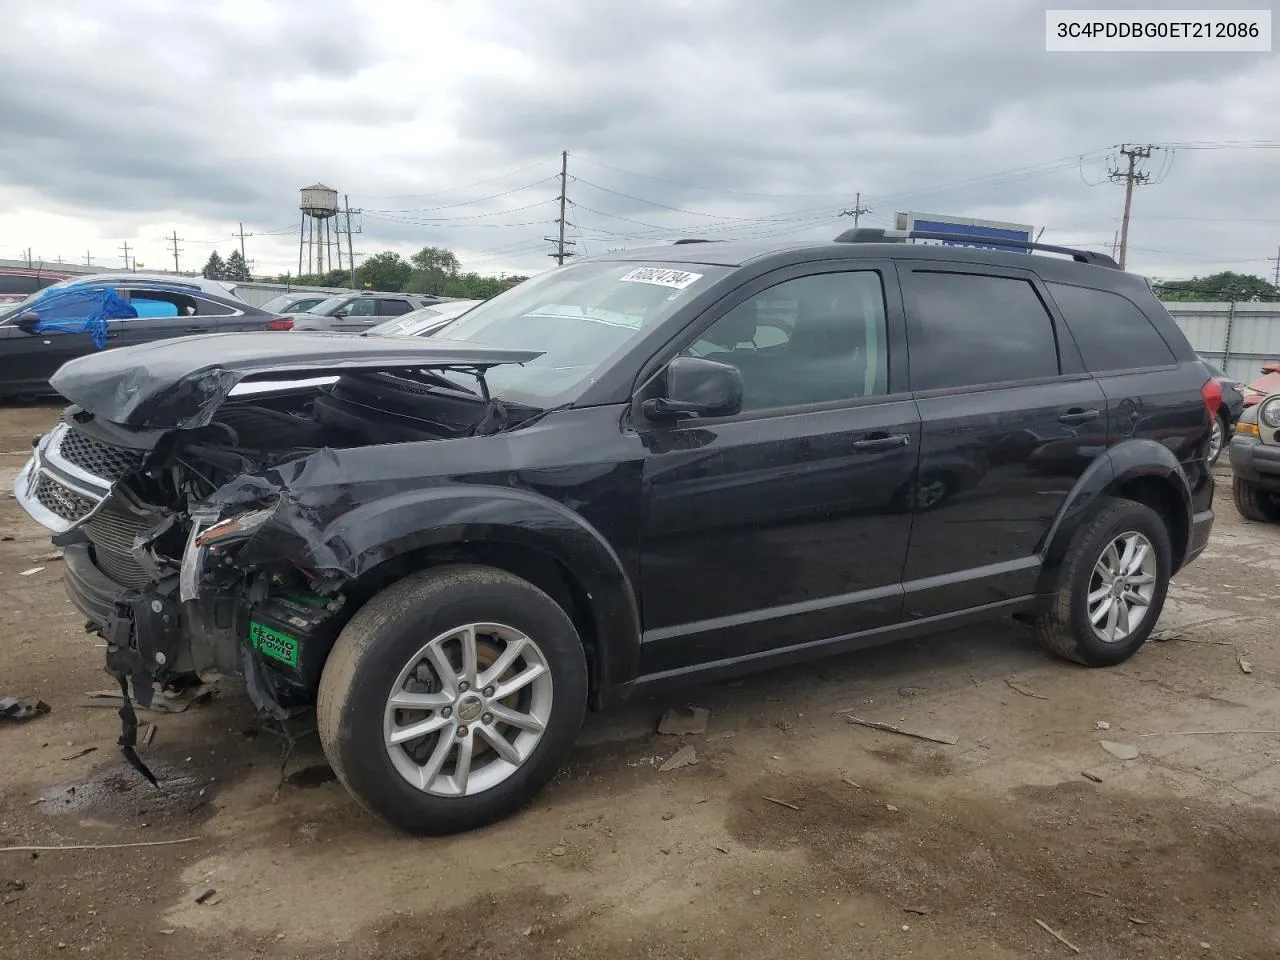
(284, 323)
(1211, 393)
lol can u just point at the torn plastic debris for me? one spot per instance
(87, 309)
(14, 709)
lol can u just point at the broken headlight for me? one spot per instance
(208, 531)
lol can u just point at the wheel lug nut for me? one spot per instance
(462, 731)
(488, 691)
(447, 712)
(464, 686)
(487, 718)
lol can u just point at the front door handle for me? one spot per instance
(1079, 416)
(890, 442)
(194, 330)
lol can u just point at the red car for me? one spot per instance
(1264, 385)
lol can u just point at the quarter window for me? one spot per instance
(971, 330)
(815, 339)
(1111, 332)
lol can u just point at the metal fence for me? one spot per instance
(1237, 337)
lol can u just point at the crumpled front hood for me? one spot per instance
(180, 383)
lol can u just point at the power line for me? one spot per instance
(1130, 175)
(561, 243)
(478, 183)
(857, 211)
(176, 251)
(464, 203)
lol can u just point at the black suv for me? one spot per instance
(660, 465)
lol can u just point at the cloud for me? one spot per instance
(444, 120)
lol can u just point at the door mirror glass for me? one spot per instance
(340, 314)
(697, 387)
(27, 322)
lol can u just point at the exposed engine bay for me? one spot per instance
(200, 552)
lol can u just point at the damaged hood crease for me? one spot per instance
(181, 383)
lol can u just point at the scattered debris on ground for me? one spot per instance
(781, 803)
(1090, 776)
(1057, 936)
(1015, 685)
(1121, 751)
(680, 721)
(83, 753)
(932, 737)
(30, 571)
(14, 709)
(1102, 725)
(206, 896)
(1245, 665)
(684, 757)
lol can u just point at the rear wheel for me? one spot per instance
(1217, 439)
(1111, 588)
(1253, 502)
(451, 698)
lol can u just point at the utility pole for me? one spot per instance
(351, 256)
(29, 264)
(561, 242)
(857, 211)
(1131, 175)
(88, 259)
(176, 251)
(125, 248)
(1276, 258)
(242, 235)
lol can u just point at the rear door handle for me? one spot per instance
(890, 442)
(1079, 416)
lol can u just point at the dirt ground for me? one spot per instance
(880, 846)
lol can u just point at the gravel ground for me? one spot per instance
(883, 846)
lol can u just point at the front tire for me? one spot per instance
(451, 698)
(1111, 588)
(1253, 502)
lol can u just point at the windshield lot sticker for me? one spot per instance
(662, 277)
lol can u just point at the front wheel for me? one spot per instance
(451, 698)
(1254, 503)
(1111, 588)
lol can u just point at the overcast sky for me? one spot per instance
(125, 120)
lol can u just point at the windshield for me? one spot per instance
(406, 325)
(580, 317)
(289, 302)
(327, 308)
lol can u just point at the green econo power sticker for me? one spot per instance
(273, 644)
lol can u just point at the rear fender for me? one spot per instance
(1125, 462)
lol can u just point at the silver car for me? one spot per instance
(424, 322)
(358, 312)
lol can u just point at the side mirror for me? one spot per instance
(26, 322)
(339, 314)
(697, 388)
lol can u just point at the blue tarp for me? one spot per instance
(81, 310)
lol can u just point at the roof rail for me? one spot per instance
(693, 240)
(878, 235)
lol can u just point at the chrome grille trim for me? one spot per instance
(55, 492)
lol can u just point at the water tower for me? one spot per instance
(316, 241)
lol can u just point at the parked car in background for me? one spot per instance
(17, 283)
(358, 312)
(598, 484)
(1229, 411)
(220, 288)
(1255, 461)
(425, 322)
(58, 324)
(1263, 385)
(288, 303)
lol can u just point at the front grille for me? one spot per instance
(62, 500)
(103, 460)
(112, 532)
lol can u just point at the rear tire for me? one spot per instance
(1253, 502)
(481, 754)
(1218, 438)
(1075, 622)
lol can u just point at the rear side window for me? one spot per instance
(970, 330)
(1111, 332)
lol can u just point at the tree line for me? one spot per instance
(1220, 287)
(432, 270)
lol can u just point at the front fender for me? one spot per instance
(374, 532)
(1126, 461)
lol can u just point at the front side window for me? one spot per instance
(364, 307)
(580, 317)
(969, 329)
(815, 339)
(161, 303)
